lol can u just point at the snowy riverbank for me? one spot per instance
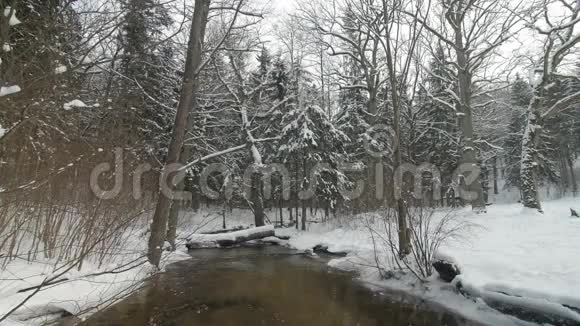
(95, 286)
(511, 255)
(78, 293)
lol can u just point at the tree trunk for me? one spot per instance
(297, 215)
(296, 199)
(257, 200)
(528, 177)
(572, 174)
(495, 177)
(564, 176)
(303, 201)
(322, 82)
(404, 241)
(281, 209)
(172, 224)
(224, 209)
(304, 215)
(468, 156)
(178, 204)
(187, 103)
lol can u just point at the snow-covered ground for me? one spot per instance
(81, 292)
(534, 258)
(94, 287)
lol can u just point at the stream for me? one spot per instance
(264, 286)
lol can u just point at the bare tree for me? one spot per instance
(474, 29)
(351, 29)
(399, 63)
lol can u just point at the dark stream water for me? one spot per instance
(264, 286)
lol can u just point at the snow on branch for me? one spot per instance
(562, 105)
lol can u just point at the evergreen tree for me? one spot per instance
(279, 99)
(262, 79)
(309, 139)
(563, 132)
(547, 150)
(520, 96)
(149, 87)
(438, 143)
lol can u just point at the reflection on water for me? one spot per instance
(263, 286)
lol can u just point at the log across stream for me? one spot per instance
(229, 239)
(264, 286)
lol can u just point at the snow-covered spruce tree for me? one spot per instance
(147, 91)
(353, 120)
(297, 86)
(439, 134)
(262, 78)
(559, 139)
(571, 130)
(282, 99)
(558, 40)
(314, 143)
(241, 95)
(354, 31)
(520, 96)
(148, 88)
(281, 96)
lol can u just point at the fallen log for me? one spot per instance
(220, 240)
(322, 249)
(239, 228)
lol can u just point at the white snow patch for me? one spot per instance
(60, 70)
(13, 20)
(9, 90)
(6, 47)
(74, 104)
